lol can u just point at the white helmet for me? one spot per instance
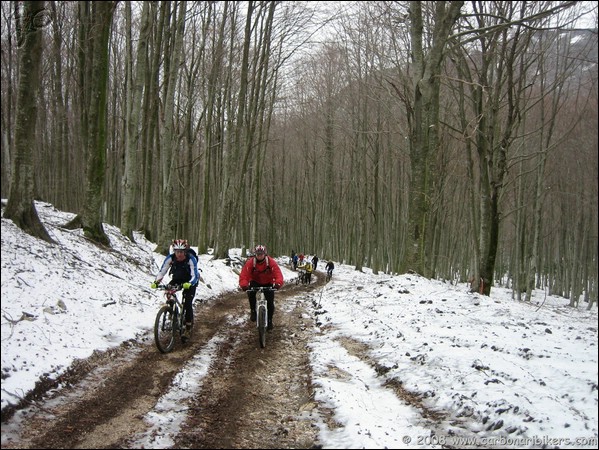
(180, 244)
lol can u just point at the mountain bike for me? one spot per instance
(300, 276)
(261, 312)
(170, 320)
(329, 276)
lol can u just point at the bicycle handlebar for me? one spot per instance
(261, 288)
(170, 287)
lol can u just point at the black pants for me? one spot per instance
(270, 299)
(188, 295)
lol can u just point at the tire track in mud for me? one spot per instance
(251, 397)
(259, 398)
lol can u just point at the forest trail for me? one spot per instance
(247, 397)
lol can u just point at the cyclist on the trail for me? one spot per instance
(259, 271)
(329, 268)
(307, 267)
(309, 270)
(183, 265)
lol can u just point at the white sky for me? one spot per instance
(504, 374)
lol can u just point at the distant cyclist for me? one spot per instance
(258, 271)
(183, 265)
(308, 268)
(329, 268)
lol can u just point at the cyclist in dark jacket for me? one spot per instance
(329, 268)
(183, 267)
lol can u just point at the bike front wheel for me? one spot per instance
(262, 322)
(165, 328)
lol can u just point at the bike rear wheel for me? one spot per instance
(262, 322)
(165, 329)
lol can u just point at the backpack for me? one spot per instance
(191, 251)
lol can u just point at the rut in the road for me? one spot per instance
(258, 398)
(251, 397)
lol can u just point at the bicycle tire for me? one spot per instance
(165, 328)
(262, 322)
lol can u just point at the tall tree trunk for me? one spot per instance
(130, 194)
(60, 123)
(98, 36)
(258, 132)
(231, 160)
(169, 143)
(424, 133)
(213, 131)
(94, 34)
(20, 207)
(152, 185)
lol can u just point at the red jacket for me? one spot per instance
(264, 273)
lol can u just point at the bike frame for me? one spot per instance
(172, 302)
(261, 312)
(261, 304)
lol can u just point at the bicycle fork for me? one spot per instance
(261, 310)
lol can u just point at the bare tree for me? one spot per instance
(428, 57)
(496, 70)
(20, 207)
(244, 138)
(96, 22)
(169, 138)
(131, 189)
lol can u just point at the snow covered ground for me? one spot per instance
(403, 361)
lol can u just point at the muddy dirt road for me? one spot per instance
(237, 394)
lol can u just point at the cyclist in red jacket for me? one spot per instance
(258, 271)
